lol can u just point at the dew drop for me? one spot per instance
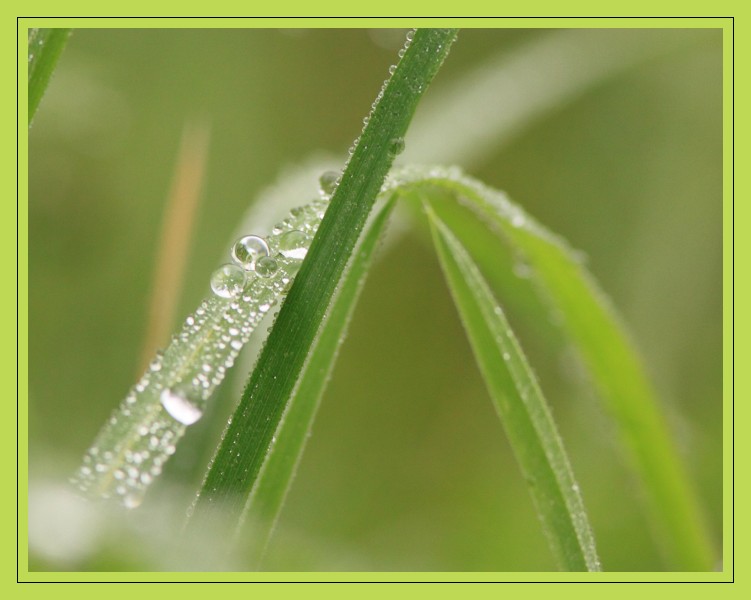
(248, 250)
(228, 281)
(266, 266)
(396, 146)
(292, 244)
(327, 182)
(179, 407)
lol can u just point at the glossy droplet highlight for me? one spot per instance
(179, 407)
(328, 182)
(396, 146)
(228, 281)
(293, 244)
(248, 250)
(266, 266)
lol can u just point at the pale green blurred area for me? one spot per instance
(407, 467)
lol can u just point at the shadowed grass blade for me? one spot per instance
(590, 322)
(45, 47)
(242, 452)
(281, 462)
(520, 405)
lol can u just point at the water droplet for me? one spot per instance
(328, 182)
(179, 407)
(396, 146)
(228, 281)
(392, 69)
(293, 244)
(266, 266)
(247, 250)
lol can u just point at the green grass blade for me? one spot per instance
(45, 47)
(241, 454)
(143, 432)
(590, 322)
(274, 479)
(520, 405)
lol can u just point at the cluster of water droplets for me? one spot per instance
(130, 451)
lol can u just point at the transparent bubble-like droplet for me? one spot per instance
(293, 244)
(228, 281)
(179, 407)
(328, 182)
(266, 266)
(247, 250)
(396, 146)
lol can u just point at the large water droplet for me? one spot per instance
(293, 244)
(266, 266)
(396, 146)
(328, 182)
(228, 281)
(247, 250)
(179, 407)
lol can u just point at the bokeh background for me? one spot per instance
(407, 467)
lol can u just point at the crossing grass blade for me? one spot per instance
(266, 501)
(520, 405)
(242, 452)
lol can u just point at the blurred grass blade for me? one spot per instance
(45, 47)
(520, 405)
(174, 240)
(484, 109)
(274, 479)
(592, 326)
(242, 452)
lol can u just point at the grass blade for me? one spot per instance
(592, 326)
(274, 479)
(45, 47)
(520, 405)
(242, 452)
(133, 446)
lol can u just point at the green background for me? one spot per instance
(407, 468)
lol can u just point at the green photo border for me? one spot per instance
(726, 23)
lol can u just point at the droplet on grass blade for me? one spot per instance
(228, 281)
(131, 449)
(267, 266)
(248, 250)
(180, 407)
(293, 244)
(328, 182)
(396, 146)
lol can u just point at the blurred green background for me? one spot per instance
(407, 467)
